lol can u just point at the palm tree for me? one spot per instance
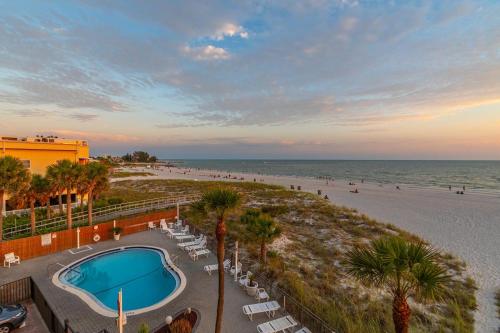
(55, 176)
(38, 189)
(405, 269)
(262, 228)
(69, 175)
(13, 178)
(44, 193)
(97, 175)
(220, 201)
(82, 183)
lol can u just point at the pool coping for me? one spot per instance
(101, 308)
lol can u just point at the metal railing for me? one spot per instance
(100, 214)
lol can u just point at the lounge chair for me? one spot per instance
(151, 226)
(233, 269)
(10, 258)
(303, 330)
(261, 295)
(195, 242)
(163, 228)
(215, 267)
(245, 279)
(172, 233)
(277, 325)
(194, 254)
(184, 237)
(269, 308)
(200, 246)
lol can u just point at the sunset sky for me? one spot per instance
(256, 79)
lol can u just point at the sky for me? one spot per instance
(312, 79)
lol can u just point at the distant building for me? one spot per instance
(37, 153)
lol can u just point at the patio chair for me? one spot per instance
(269, 308)
(10, 258)
(163, 228)
(303, 330)
(261, 295)
(245, 279)
(172, 233)
(200, 246)
(151, 226)
(215, 267)
(233, 269)
(184, 237)
(195, 254)
(195, 242)
(277, 325)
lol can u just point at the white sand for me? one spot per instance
(465, 225)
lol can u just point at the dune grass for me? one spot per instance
(307, 261)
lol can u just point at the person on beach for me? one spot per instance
(449, 187)
(398, 188)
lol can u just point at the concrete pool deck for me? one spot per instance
(200, 292)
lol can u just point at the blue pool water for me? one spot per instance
(141, 273)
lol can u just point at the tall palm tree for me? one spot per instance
(55, 176)
(38, 189)
(220, 201)
(44, 193)
(262, 228)
(82, 183)
(13, 178)
(405, 269)
(69, 176)
(97, 175)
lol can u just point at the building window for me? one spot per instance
(26, 163)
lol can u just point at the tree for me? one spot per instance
(220, 201)
(82, 183)
(69, 175)
(97, 175)
(55, 177)
(405, 269)
(13, 178)
(262, 228)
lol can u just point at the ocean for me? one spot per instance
(479, 176)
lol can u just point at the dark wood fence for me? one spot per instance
(16, 291)
(31, 247)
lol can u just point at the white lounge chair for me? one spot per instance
(303, 330)
(200, 246)
(195, 242)
(163, 228)
(151, 226)
(172, 233)
(261, 295)
(233, 269)
(184, 237)
(10, 258)
(245, 279)
(195, 254)
(215, 267)
(269, 308)
(277, 325)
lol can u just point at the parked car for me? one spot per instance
(12, 317)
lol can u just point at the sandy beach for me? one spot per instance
(467, 226)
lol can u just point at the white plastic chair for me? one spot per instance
(10, 258)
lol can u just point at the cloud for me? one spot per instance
(83, 116)
(229, 30)
(96, 136)
(208, 52)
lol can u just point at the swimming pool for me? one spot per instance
(146, 276)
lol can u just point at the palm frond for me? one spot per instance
(367, 265)
(430, 280)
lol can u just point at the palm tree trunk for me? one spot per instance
(400, 314)
(1, 215)
(263, 252)
(89, 206)
(32, 216)
(59, 198)
(220, 233)
(81, 201)
(49, 210)
(68, 209)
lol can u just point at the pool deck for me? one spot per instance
(200, 292)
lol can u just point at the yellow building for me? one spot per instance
(37, 153)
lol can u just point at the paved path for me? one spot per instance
(200, 292)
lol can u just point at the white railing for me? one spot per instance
(102, 214)
(25, 211)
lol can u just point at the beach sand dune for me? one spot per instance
(465, 225)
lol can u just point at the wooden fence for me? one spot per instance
(41, 245)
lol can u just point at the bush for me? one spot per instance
(144, 328)
(180, 326)
(115, 201)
